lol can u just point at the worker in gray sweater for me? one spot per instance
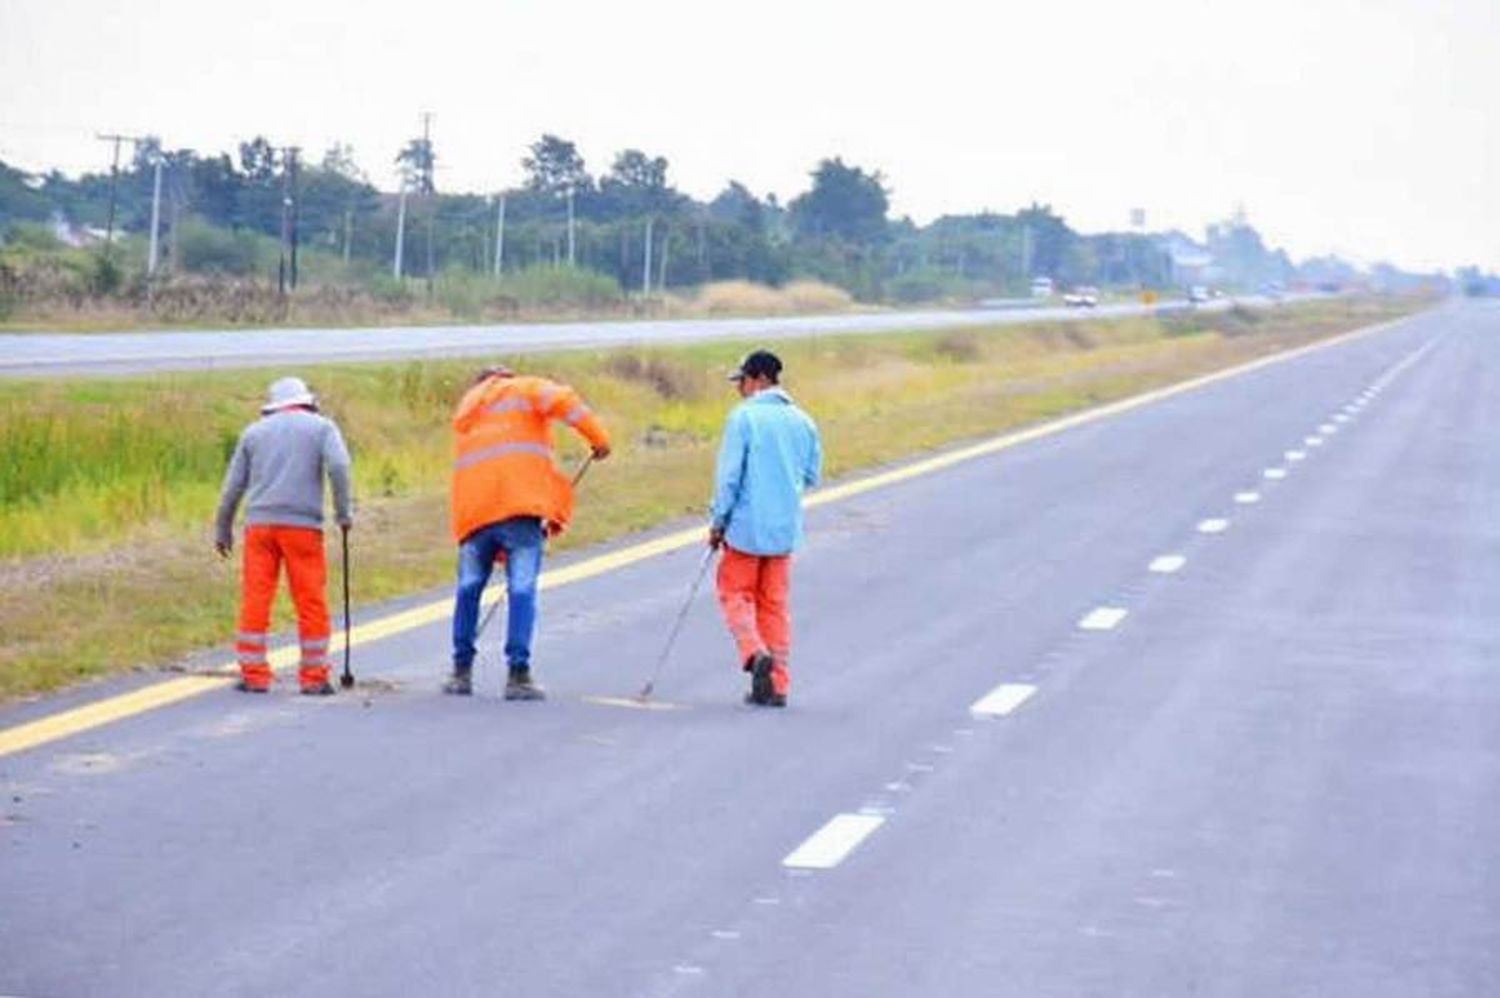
(280, 463)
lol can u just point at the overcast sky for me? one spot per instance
(1363, 127)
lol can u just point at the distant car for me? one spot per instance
(1041, 287)
(1082, 297)
(1198, 293)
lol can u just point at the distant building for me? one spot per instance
(1192, 262)
(77, 236)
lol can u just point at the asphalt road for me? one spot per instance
(1266, 766)
(58, 354)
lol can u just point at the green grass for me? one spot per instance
(107, 487)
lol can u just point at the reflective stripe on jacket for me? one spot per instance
(502, 464)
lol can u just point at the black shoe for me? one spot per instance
(246, 687)
(460, 684)
(520, 687)
(324, 689)
(759, 666)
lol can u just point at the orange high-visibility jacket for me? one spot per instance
(503, 452)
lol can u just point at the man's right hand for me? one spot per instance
(715, 537)
(601, 452)
(223, 548)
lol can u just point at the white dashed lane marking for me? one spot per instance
(1247, 498)
(831, 845)
(1215, 526)
(1296, 455)
(1167, 564)
(1274, 474)
(1104, 618)
(1002, 700)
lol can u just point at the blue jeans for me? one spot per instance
(521, 539)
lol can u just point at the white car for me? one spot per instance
(1082, 297)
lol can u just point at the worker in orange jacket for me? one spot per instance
(508, 497)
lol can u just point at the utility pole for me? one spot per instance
(572, 259)
(114, 176)
(151, 256)
(500, 237)
(430, 189)
(286, 222)
(400, 232)
(646, 270)
(292, 165)
(666, 249)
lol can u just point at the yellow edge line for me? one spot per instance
(78, 719)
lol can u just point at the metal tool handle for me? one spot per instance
(646, 691)
(347, 679)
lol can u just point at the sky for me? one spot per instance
(1366, 128)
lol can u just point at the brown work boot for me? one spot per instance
(518, 686)
(759, 666)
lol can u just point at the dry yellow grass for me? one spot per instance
(747, 298)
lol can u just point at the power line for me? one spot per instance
(114, 176)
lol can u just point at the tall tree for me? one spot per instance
(417, 164)
(554, 166)
(637, 185)
(845, 202)
(1047, 240)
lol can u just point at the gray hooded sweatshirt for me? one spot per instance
(280, 461)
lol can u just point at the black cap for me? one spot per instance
(758, 363)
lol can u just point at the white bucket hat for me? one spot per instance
(285, 393)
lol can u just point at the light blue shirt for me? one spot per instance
(769, 455)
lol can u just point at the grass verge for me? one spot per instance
(107, 486)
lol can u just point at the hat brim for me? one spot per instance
(306, 399)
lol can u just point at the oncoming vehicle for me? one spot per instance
(1198, 293)
(1082, 297)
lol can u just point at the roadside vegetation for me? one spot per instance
(107, 487)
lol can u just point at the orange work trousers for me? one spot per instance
(753, 593)
(267, 547)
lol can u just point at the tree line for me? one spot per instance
(628, 222)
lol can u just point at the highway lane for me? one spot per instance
(58, 354)
(1269, 776)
